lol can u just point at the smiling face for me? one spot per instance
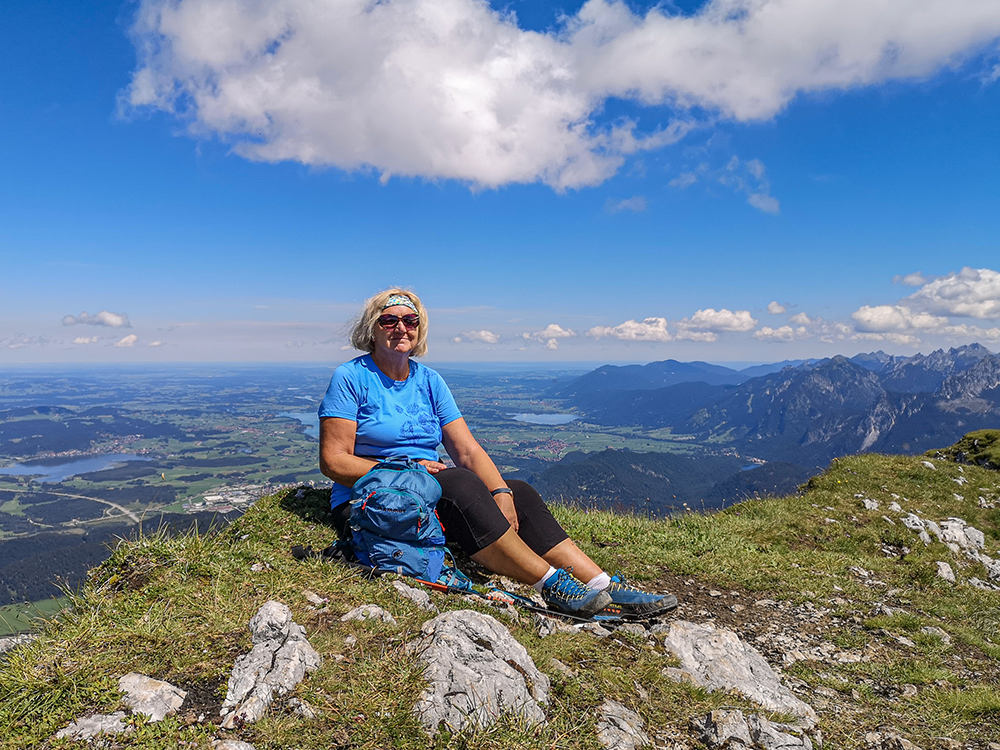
(397, 339)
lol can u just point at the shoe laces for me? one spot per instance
(567, 587)
(618, 583)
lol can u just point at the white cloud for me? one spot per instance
(748, 177)
(650, 329)
(103, 318)
(485, 337)
(775, 308)
(127, 341)
(457, 90)
(884, 318)
(764, 202)
(900, 324)
(800, 319)
(972, 293)
(694, 335)
(552, 344)
(911, 279)
(155, 343)
(683, 180)
(85, 340)
(784, 333)
(636, 203)
(718, 320)
(22, 341)
(550, 333)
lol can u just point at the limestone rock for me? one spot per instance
(730, 729)
(369, 612)
(12, 642)
(92, 726)
(945, 572)
(895, 742)
(421, 598)
(475, 671)
(231, 745)
(769, 735)
(723, 728)
(870, 504)
(719, 660)
(154, 698)
(620, 728)
(280, 658)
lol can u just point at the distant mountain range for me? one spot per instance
(808, 412)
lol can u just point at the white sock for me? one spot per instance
(538, 586)
(600, 582)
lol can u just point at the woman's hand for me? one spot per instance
(505, 502)
(433, 467)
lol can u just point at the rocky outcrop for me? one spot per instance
(280, 658)
(475, 671)
(731, 729)
(152, 698)
(718, 660)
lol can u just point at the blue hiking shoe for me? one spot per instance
(630, 603)
(564, 593)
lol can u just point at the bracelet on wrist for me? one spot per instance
(502, 491)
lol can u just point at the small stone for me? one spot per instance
(350, 641)
(313, 598)
(231, 745)
(92, 726)
(945, 572)
(723, 728)
(714, 593)
(870, 504)
(154, 698)
(888, 520)
(300, 708)
(936, 631)
(370, 612)
(620, 728)
(737, 608)
(947, 743)
(594, 629)
(561, 668)
(421, 598)
(895, 507)
(908, 691)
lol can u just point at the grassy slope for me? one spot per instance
(177, 609)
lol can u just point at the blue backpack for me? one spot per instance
(394, 526)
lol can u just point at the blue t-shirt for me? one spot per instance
(394, 418)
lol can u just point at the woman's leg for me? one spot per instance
(543, 533)
(472, 520)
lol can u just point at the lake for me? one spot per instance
(309, 418)
(59, 469)
(548, 419)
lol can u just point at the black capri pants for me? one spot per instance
(472, 520)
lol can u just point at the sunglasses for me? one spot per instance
(388, 322)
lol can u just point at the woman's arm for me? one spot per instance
(467, 453)
(336, 451)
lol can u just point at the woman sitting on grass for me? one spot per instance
(384, 405)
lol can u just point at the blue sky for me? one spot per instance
(208, 180)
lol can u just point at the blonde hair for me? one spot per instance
(363, 329)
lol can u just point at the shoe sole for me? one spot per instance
(597, 605)
(644, 611)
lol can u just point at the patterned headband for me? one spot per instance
(399, 299)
